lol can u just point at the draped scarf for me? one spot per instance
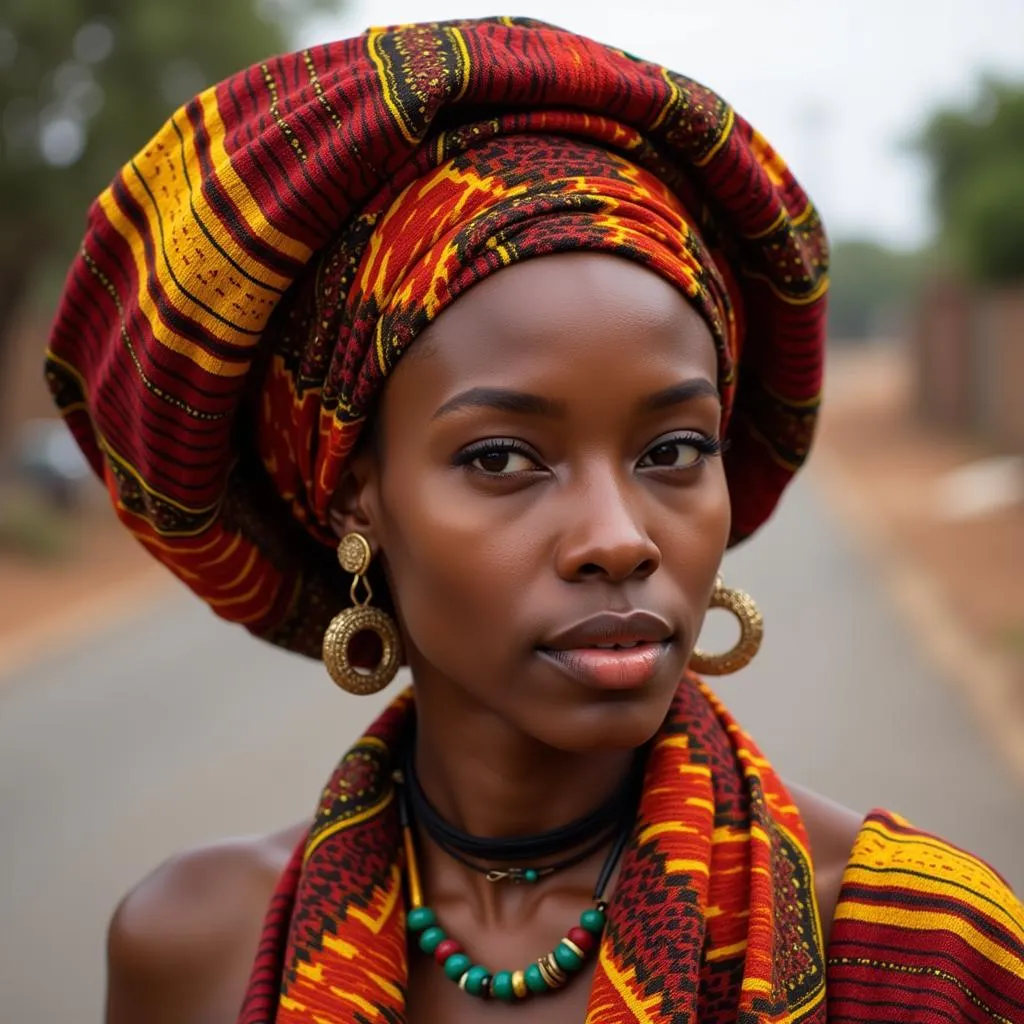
(713, 917)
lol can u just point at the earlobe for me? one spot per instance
(339, 521)
(352, 506)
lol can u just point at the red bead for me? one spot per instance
(445, 949)
(582, 938)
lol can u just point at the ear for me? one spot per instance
(356, 502)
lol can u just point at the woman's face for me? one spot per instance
(547, 480)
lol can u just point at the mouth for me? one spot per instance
(611, 651)
(610, 667)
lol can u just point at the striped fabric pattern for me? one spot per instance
(226, 329)
(924, 932)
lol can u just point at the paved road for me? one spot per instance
(174, 729)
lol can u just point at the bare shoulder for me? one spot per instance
(181, 944)
(832, 830)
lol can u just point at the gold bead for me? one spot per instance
(576, 949)
(553, 975)
(519, 985)
(560, 974)
(545, 974)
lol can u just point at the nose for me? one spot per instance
(603, 537)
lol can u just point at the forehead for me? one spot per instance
(569, 312)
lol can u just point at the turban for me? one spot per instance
(251, 277)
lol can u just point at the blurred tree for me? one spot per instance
(976, 155)
(871, 288)
(83, 85)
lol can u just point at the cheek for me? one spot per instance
(714, 513)
(695, 534)
(454, 568)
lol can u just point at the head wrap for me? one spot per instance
(249, 279)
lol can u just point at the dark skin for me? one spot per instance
(600, 490)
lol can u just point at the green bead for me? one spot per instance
(475, 978)
(593, 920)
(456, 965)
(501, 986)
(534, 979)
(531, 874)
(431, 939)
(420, 918)
(566, 958)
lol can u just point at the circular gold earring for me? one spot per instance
(355, 556)
(751, 633)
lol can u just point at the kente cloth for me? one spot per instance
(713, 918)
(251, 277)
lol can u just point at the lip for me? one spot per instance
(627, 669)
(574, 649)
(635, 627)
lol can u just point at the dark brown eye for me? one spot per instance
(672, 455)
(501, 462)
(493, 462)
(499, 456)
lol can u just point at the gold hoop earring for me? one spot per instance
(751, 633)
(355, 556)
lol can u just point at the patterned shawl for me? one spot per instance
(251, 277)
(713, 918)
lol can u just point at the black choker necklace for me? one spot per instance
(522, 858)
(556, 969)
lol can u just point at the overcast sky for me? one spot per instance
(835, 85)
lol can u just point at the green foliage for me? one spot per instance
(32, 529)
(83, 85)
(976, 156)
(871, 285)
(987, 223)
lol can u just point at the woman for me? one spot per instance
(286, 333)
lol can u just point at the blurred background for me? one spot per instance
(133, 724)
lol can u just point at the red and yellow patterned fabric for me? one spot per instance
(713, 918)
(923, 932)
(251, 277)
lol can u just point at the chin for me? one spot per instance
(618, 722)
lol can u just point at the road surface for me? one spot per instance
(174, 728)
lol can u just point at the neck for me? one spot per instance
(490, 780)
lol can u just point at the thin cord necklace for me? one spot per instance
(521, 857)
(548, 973)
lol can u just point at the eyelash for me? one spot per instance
(709, 447)
(497, 445)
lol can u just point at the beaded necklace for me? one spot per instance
(524, 858)
(548, 973)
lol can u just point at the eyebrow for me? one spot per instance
(504, 400)
(678, 394)
(525, 404)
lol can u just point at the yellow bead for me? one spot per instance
(519, 985)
